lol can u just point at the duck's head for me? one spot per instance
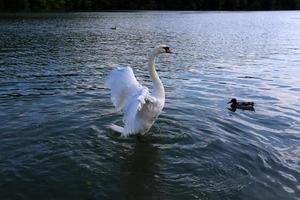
(162, 49)
(232, 101)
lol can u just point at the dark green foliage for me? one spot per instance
(98, 5)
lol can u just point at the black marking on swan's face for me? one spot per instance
(167, 49)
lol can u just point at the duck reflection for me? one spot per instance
(141, 172)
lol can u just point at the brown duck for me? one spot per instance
(234, 104)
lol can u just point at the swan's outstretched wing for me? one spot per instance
(131, 97)
(134, 116)
(123, 86)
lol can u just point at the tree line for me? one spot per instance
(100, 5)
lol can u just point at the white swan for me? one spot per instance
(139, 106)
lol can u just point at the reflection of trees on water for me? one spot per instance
(89, 5)
(140, 173)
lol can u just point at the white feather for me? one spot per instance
(123, 86)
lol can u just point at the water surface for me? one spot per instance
(54, 108)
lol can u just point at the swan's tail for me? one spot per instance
(116, 128)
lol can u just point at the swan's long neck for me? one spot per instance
(158, 88)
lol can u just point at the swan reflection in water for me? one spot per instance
(140, 173)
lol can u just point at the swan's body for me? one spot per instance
(139, 106)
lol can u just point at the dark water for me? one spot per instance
(54, 108)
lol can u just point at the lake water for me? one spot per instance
(54, 108)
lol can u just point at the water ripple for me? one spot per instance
(54, 108)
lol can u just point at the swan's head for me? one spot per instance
(162, 49)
